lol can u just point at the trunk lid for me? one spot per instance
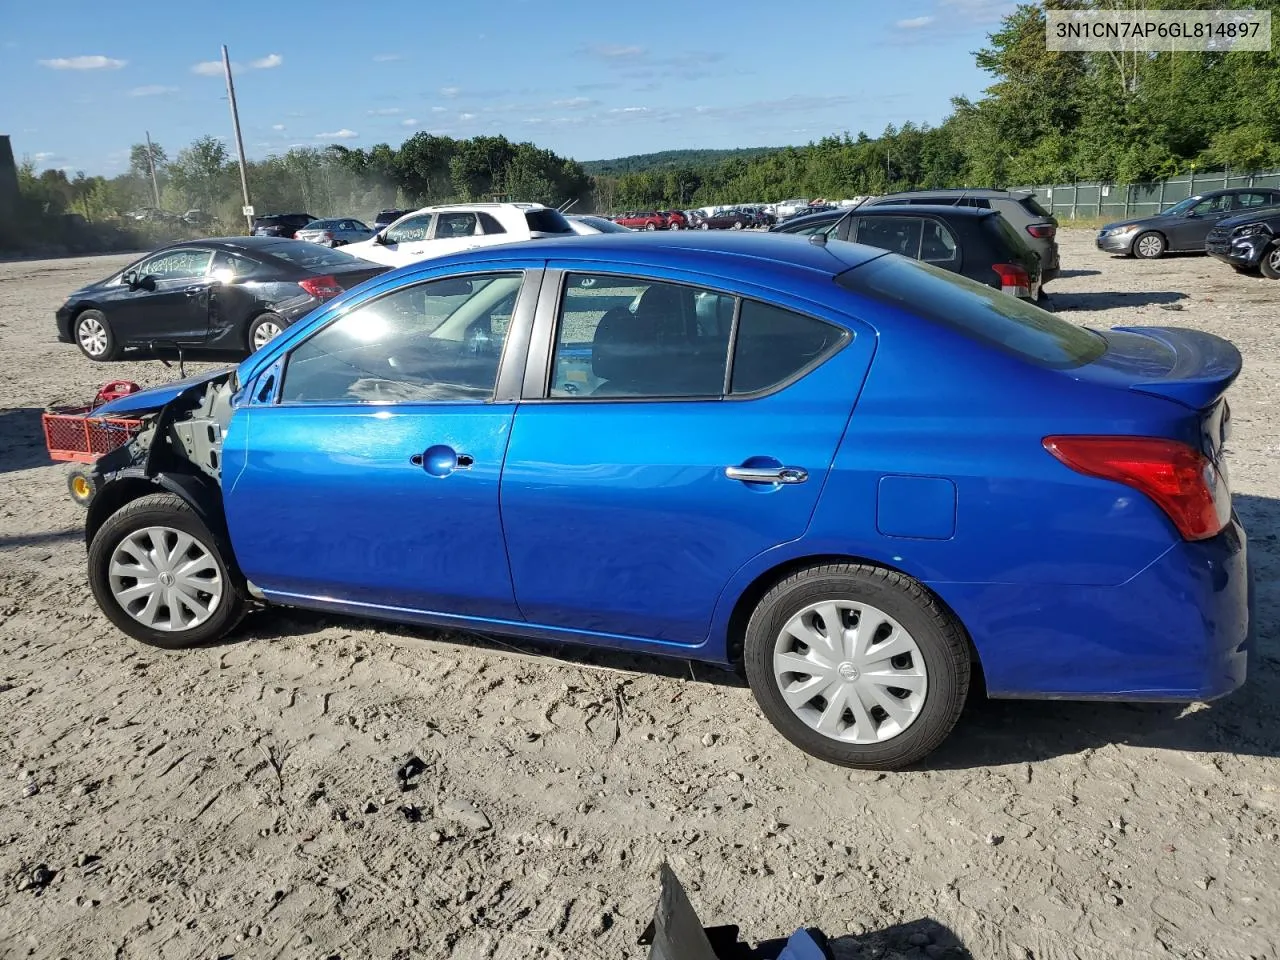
(353, 276)
(1189, 367)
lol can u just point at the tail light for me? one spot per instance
(1042, 231)
(1013, 279)
(1182, 481)
(326, 236)
(322, 288)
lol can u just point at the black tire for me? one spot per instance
(704, 225)
(738, 224)
(938, 636)
(81, 486)
(651, 225)
(256, 324)
(167, 510)
(1152, 242)
(109, 351)
(1270, 263)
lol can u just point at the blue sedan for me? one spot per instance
(861, 479)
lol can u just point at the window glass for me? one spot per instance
(461, 224)
(410, 230)
(774, 345)
(547, 221)
(227, 266)
(176, 265)
(979, 311)
(1254, 200)
(489, 223)
(1213, 205)
(938, 244)
(899, 234)
(1032, 206)
(628, 337)
(432, 342)
(310, 256)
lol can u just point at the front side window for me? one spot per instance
(410, 230)
(176, 265)
(433, 342)
(630, 337)
(1218, 204)
(899, 234)
(455, 225)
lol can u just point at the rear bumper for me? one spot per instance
(1178, 631)
(1240, 252)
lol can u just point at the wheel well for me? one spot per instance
(762, 584)
(111, 497)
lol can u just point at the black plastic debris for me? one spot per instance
(408, 771)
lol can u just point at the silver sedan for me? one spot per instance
(335, 232)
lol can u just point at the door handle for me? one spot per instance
(767, 474)
(441, 460)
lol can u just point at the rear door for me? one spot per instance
(643, 469)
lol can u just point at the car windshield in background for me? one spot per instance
(547, 221)
(605, 226)
(977, 310)
(310, 256)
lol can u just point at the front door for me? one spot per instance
(646, 477)
(370, 475)
(176, 310)
(1189, 232)
(404, 242)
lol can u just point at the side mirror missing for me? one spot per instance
(135, 282)
(380, 239)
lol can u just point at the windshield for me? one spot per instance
(1181, 207)
(605, 226)
(979, 311)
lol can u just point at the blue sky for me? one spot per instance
(591, 80)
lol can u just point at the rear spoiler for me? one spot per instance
(1204, 366)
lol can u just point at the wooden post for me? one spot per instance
(235, 123)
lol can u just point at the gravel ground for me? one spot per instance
(241, 800)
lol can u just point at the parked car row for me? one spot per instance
(1239, 226)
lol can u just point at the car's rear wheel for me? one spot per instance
(264, 328)
(857, 665)
(704, 225)
(651, 225)
(158, 575)
(1270, 265)
(737, 224)
(93, 336)
(1149, 245)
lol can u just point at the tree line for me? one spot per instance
(1045, 118)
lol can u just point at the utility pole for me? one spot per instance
(235, 123)
(151, 163)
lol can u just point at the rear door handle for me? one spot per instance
(767, 474)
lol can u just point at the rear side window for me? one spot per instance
(978, 311)
(489, 224)
(775, 345)
(547, 221)
(899, 234)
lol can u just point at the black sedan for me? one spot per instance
(1249, 242)
(975, 242)
(1185, 226)
(232, 294)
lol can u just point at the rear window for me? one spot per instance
(1011, 237)
(1032, 206)
(547, 221)
(978, 311)
(310, 256)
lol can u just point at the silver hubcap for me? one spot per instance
(1149, 246)
(1274, 259)
(93, 337)
(264, 333)
(850, 671)
(165, 579)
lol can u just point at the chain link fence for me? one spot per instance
(1071, 201)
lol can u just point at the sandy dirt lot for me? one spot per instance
(241, 800)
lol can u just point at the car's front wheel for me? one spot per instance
(857, 665)
(158, 575)
(1270, 264)
(94, 337)
(1149, 246)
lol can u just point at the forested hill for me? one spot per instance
(669, 160)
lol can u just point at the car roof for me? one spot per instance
(748, 257)
(983, 192)
(248, 244)
(935, 209)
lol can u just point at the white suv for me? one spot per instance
(436, 231)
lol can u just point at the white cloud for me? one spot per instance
(409, 122)
(277, 127)
(631, 110)
(268, 62)
(343, 134)
(914, 23)
(213, 68)
(466, 116)
(615, 51)
(208, 68)
(385, 112)
(439, 109)
(450, 91)
(152, 90)
(573, 103)
(96, 62)
(386, 57)
(46, 157)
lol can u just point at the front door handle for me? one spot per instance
(767, 474)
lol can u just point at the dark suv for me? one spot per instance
(1248, 242)
(280, 224)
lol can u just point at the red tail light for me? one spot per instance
(1182, 481)
(1013, 279)
(322, 288)
(1042, 231)
(326, 236)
